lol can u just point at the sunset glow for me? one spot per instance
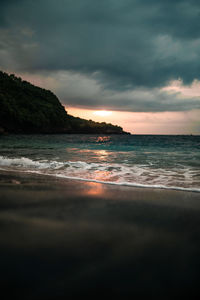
(145, 122)
(102, 113)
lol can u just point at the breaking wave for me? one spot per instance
(124, 174)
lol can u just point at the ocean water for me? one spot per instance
(170, 162)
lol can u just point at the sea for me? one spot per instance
(145, 161)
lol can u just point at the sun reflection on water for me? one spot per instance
(94, 188)
(102, 175)
(101, 154)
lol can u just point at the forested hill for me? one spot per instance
(25, 108)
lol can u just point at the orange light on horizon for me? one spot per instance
(180, 122)
(102, 113)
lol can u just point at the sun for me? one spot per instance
(102, 113)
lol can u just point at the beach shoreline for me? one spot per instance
(64, 238)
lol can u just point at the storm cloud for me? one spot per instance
(125, 51)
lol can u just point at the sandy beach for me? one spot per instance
(67, 238)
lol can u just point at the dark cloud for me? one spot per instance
(86, 91)
(137, 101)
(127, 44)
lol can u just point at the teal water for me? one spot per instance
(171, 162)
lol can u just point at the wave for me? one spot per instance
(113, 174)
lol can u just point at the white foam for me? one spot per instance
(22, 161)
(133, 184)
(115, 174)
(130, 184)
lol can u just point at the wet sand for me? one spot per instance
(61, 239)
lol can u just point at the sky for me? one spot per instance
(137, 59)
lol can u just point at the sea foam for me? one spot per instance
(125, 174)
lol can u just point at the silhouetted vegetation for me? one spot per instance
(25, 108)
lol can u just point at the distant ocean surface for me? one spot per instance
(170, 162)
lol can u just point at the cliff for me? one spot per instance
(25, 108)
